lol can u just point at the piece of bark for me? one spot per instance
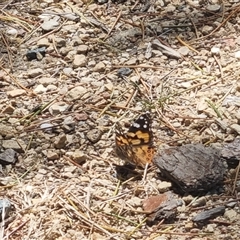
(163, 206)
(209, 214)
(194, 168)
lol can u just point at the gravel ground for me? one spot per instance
(100, 64)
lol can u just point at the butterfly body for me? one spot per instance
(136, 145)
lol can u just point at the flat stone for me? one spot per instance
(200, 202)
(8, 109)
(60, 42)
(51, 88)
(99, 67)
(183, 50)
(163, 186)
(40, 89)
(82, 49)
(64, 51)
(47, 80)
(12, 31)
(215, 50)
(71, 16)
(15, 93)
(58, 107)
(213, 7)
(210, 228)
(109, 86)
(32, 73)
(9, 156)
(131, 61)
(50, 25)
(94, 135)
(237, 54)
(79, 157)
(43, 42)
(235, 127)
(68, 120)
(67, 71)
(80, 60)
(124, 72)
(46, 127)
(231, 215)
(202, 104)
(187, 199)
(207, 29)
(13, 144)
(5, 130)
(231, 101)
(52, 155)
(77, 92)
(60, 141)
(135, 202)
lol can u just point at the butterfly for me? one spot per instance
(136, 145)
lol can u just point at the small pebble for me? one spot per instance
(213, 7)
(237, 54)
(80, 60)
(100, 67)
(215, 50)
(50, 25)
(76, 92)
(40, 89)
(60, 141)
(16, 93)
(52, 155)
(183, 50)
(32, 73)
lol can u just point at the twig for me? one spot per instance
(220, 66)
(20, 226)
(43, 36)
(137, 227)
(82, 216)
(226, 94)
(142, 28)
(140, 66)
(15, 80)
(114, 24)
(8, 49)
(194, 26)
(187, 45)
(41, 109)
(220, 25)
(112, 102)
(74, 163)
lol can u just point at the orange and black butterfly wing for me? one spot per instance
(140, 132)
(123, 148)
(136, 146)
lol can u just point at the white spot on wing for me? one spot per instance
(136, 125)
